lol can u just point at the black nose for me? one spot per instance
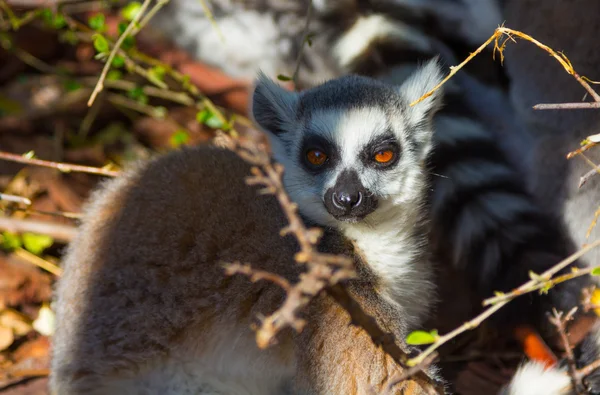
(347, 200)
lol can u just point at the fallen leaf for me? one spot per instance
(6, 338)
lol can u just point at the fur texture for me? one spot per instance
(145, 308)
(350, 35)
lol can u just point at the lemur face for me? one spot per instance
(351, 147)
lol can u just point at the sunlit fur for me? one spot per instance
(535, 379)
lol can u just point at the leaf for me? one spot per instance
(35, 243)
(179, 138)
(157, 73)
(282, 77)
(71, 85)
(97, 22)
(210, 119)
(138, 95)
(418, 338)
(7, 338)
(128, 43)
(118, 61)
(100, 43)
(130, 11)
(114, 75)
(10, 241)
(47, 15)
(59, 21)
(596, 271)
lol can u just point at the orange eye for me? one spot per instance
(316, 157)
(384, 156)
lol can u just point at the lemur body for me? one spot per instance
(144, 306)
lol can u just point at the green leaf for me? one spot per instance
(122, 26)
(208, 118)
(282, 77)
(179, 138)
(100, 43)
(128, 42)
(138, 94)
(114, 75)
(596, 271)
(309, 38)
(47, 15)
(10, 241)
(418, 338)
(158, 73)
(35, 243)
(71, 85)
(118, 61)
(69, 37)
(130, 11)
(59, 21)
(97, 22)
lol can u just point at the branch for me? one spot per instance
(62, 233)
(500, 301)
(543, 280)
(64, 167)
(302, 44)
(560, 323)
(567, 106)
(113, 52)
(499, 47)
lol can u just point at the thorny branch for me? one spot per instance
(560, 323)
(325, 271)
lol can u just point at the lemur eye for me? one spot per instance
(316, 157)
(384, 156)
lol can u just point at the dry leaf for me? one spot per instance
(6, 338)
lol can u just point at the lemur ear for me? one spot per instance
(421, 82)
(273, 107)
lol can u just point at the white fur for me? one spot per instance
(534, 379)
(372, 28)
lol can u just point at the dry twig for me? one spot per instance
(59, 232)
(560, 323)
(544, 280)
(64, 167)
(499, 47)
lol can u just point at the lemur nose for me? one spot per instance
(347, 200)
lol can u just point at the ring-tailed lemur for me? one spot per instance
(144, 307)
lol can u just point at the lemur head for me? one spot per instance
(353, 147)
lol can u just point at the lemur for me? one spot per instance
(484, 204)
(144, 306)
(501, 227)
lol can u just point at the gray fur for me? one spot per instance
(144, 307)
